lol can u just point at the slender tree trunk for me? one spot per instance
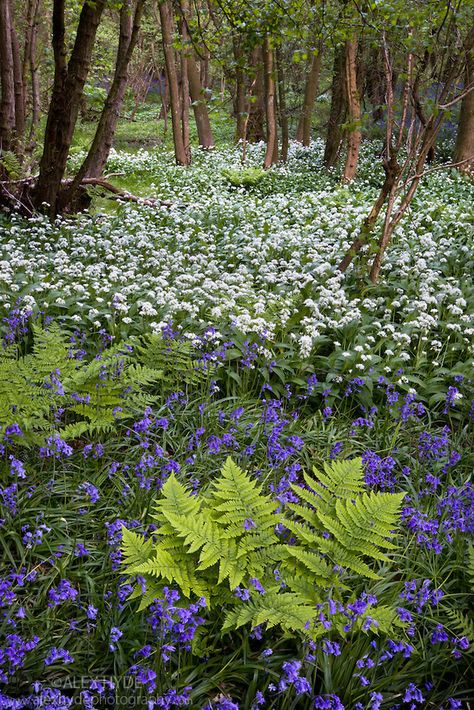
(185, 85)
(303, 132)
(165, 99)
(419, 111)
(19, 90)
(69, 80)
(7, 80)
(285, 139)
(98, 154)
(337, 111)
(166, 16)
(464, 151)
(353, 103)
(34, 72)
(29, 69)
(415, 163)
(392, 171)
(271, 154)
(204, 70)
(201, 115)
(375, 84)
(239, 101)
(255, 121)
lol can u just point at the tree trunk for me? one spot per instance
(29, 64)
(392, 171)
(185, 85)
(255, 121)
(464, 151)
(7, 102)
(271, 154)
(19, 90)
(239, 101)
(303, 132)
(165, 99)
(34, 71)
(337, 111)
(98, 154)
(353, 103)
(375, 84)
(204, 70)
(166, 16)
(69, 80)
(282, 106)
(201, 115)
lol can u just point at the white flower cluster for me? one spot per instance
(259, 258)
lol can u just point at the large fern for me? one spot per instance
(92, 394)
(222, 544)
(346, 524)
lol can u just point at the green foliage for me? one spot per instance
(175, 358)
(247, 177)
(10, 164)
(210, 544)
(93, 393)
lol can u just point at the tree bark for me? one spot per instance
(204, 70)
(7, 80)
(255, 121)
(464, 151)
(392, 171)
(34, 71)
(303, 132)
(98, 154)
(69, 80)
(19, 89)
(337, 111)
(353, 104)
(271, 153)
(375, 83)
(201, 115)
(239, 101)
(166, 17)
(185, 85)
(285, 138)
(29, 63)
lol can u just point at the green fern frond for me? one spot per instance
(10, 164)
(462, 625)
(136, 549)
(236, 498)
(176, 500)
(321, 571)
(287, 610)
(470, 565)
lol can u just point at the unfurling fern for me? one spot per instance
(214, 543)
